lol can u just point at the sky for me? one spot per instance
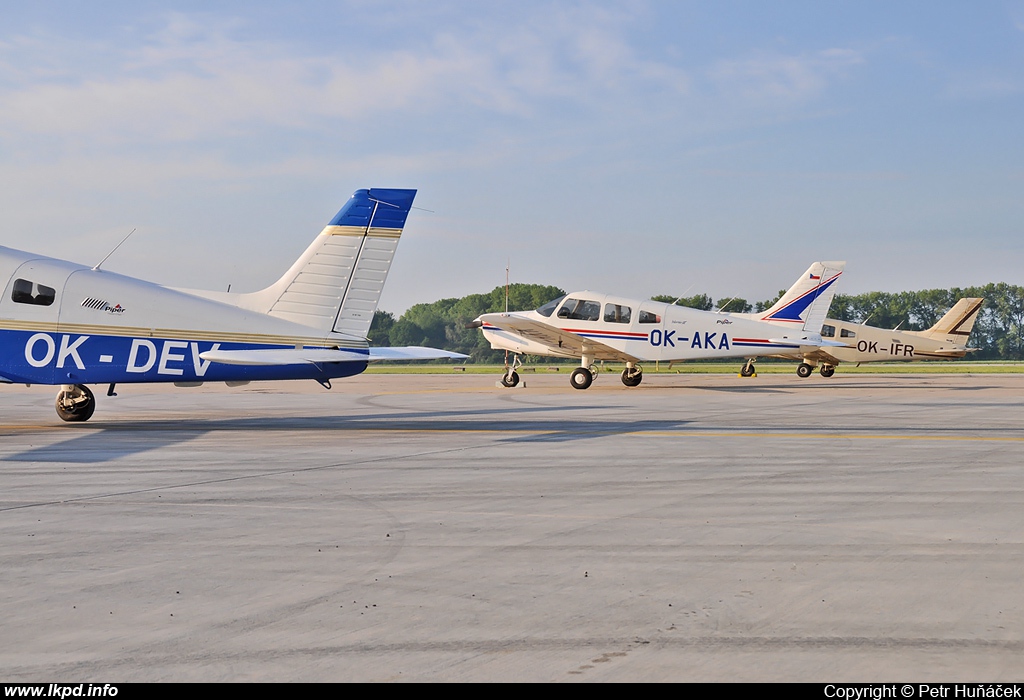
(634, 147)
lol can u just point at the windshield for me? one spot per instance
(548, 308)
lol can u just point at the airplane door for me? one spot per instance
(652, 322)
(32, 295)
(31, 300)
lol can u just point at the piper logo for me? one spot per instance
(101, 305)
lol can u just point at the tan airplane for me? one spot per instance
(946, 340)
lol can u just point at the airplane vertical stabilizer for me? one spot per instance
(336, 284)
(955, 327)
(806, 303)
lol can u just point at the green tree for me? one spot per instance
(380, 328)
(734, 305)
(697, 301)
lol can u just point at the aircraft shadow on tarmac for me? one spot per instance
(96, 442)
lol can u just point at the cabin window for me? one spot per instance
(580, 310)
(26, 292)
(548, 308)
(847, 334)
(828, 331)
(616, 313)
(649, 317)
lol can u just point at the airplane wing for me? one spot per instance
(810, 346)
(569, 343)
(317, 356)
(818, 355)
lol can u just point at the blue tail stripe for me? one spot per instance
(392, 208)
(793, 311)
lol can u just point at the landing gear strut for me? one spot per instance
(748, 369)
(511, 377)
(632, 375)
(75, 403)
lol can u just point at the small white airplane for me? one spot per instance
(594, 327)
(72, 325)
(946, 340)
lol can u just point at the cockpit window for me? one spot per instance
(828, 331)
(548, 308)
(649, 317)
(26, 292)
(580, 310)
(616, 313)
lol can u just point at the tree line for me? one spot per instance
(998, 333)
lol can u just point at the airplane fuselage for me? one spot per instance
(646, 331)
(64, 323)
(870, 344)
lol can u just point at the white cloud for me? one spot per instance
(192, 81)
(779, 77)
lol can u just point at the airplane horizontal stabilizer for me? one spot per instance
(316, 356)
(809, 341)
(413, 353)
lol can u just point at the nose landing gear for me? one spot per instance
(632, 375)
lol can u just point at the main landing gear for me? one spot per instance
(805, 369)
(581, 378)
(75, 403)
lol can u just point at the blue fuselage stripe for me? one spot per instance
(56, 358)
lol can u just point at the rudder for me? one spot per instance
(336, 283)
(806, 303)
(956, 325)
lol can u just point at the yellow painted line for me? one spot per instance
(829, 436)
(539, 431)
(476, 390)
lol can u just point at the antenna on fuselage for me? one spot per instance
(95, 269)
(722, 309)
(676, 301)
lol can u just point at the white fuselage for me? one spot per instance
(642, 330)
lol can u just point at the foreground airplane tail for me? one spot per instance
(955, 327)
(805, 305)
(336, 284)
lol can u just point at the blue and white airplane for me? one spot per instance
(592, 326)
(72, 325)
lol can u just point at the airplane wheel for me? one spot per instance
(638, 376)
(747, 370)
(827, 370)
(581, 378)
(76, 406)
(511, 379)
(804, 370)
